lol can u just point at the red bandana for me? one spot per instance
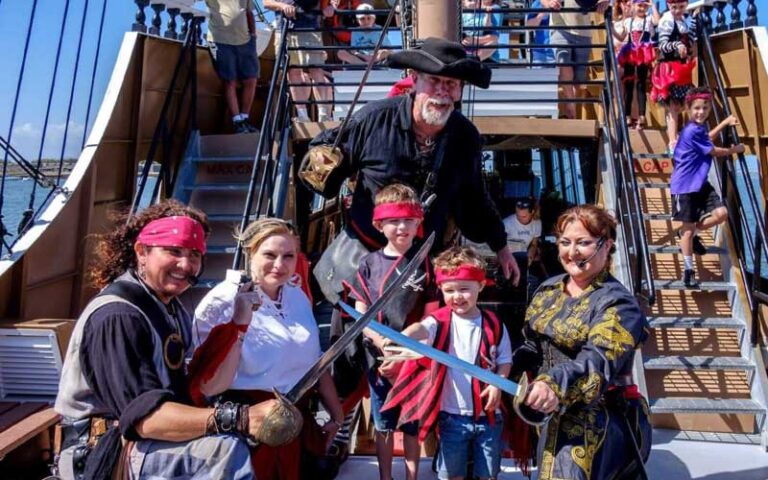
(464, 272)
(397, 210)
(698, 96)
(177, 231)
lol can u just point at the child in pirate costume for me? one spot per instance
(673, 76)
(398, 215)
(637, 56)
(466, 411)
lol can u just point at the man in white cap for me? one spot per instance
(363, 42)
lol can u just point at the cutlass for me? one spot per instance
(326, 360)
(518, 390)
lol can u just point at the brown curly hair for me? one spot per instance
(114, 250)
(450, 260)
(597, 220)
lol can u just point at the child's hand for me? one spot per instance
(737, 148)
(329, 11)
(682, 50)
(732, 121)
(492, 397)
(390, 370)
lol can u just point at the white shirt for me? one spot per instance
(281, 343)
(519, 236)
(465, 345)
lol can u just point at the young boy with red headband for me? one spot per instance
(466, 410)
(398, 215)
(694, 201)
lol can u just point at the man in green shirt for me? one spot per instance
(232, 38)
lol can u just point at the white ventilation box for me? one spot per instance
(30, 364)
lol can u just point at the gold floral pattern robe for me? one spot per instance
(595, 336)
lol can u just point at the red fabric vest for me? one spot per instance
(419, 386)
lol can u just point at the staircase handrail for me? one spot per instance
(758, 245)
(269, 125)
(160, 133)
(628, 178)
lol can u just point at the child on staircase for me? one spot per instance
(637, 56)
(694, 201)
(673, 76)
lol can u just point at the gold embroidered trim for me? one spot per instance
(611, 335)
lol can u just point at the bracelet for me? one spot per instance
(226, 415)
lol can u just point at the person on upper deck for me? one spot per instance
(482, 33)
(124, 385)
(232, 41)
(582, 329)
(304, 14)
(363, 43)
(572, 44)
(421, 140)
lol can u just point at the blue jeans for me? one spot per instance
(385, 421)
(459, 433)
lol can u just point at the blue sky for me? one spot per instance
(14, 18)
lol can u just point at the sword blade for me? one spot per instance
(439, 356)
(362, 320)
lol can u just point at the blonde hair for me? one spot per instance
(453, 258)
(396, 192)
(259, 230)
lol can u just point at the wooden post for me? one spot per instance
(720, 25)
(140, 25)
(437, 18)
(170, 30)
(157, 22)
(751, 20)
(735, 15)
(187, 17)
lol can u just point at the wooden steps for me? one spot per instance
(696, 370)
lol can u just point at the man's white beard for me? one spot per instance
(435, 118)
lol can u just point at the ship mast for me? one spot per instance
(437, 18)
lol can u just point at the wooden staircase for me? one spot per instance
(214, 177)
(699, 368)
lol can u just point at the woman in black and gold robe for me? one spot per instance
(581, 331)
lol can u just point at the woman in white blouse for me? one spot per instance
(277, 341)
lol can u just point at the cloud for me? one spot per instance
(26, 139)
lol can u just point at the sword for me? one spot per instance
(361, 321)
(518, 390)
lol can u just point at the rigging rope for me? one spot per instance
(33, 194)
(3, 231)
(93, 74)
(72, 91)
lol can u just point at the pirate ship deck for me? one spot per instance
(704, 368)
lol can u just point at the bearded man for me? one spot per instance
(421, 140)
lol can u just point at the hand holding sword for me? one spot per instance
(411, 349)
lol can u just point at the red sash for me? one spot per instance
(419, 386)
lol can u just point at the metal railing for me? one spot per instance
(272, 141)
(163, 134)
(750, 240)
(630, 213)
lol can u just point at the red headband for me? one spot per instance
(177, 231)
(464, 272)
(397, 210)
(698, 96)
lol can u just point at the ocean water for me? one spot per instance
(17, 198)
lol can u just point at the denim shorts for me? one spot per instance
(236, 62)
(385, 421)
(459, 434)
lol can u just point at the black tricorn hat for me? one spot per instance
(445, 58)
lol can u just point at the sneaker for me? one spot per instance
(689, 279)
(698, 247)
(251, 127)
(241, 126)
